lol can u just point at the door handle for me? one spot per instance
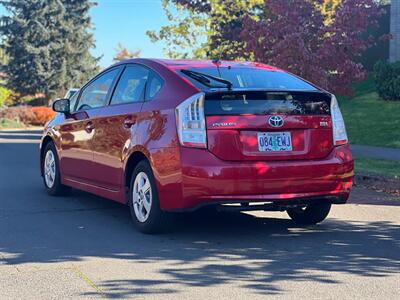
(89, 127)
(128, 123)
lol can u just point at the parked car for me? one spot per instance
(70, 93)
(169, 136)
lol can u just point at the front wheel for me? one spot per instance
(311, 214)
(51, 172)
(143, 201)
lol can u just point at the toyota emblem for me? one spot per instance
(275, 121)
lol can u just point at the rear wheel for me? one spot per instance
(51, 172)
(311, 214)
(143, 201)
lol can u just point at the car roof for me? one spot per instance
(175, 64)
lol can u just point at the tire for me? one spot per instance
(144, 203)
(311, 214)
(51, 173)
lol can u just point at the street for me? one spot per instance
(82, 246)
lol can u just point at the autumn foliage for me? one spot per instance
(320, 40)
(296, 37)
(28, 115)
(43, 114)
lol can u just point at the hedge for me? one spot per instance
(387, 80)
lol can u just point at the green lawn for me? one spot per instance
(381, 167)
(369, 120)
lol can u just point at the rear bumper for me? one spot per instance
(205, 179)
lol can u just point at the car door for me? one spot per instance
(116, 126)
(77, 132)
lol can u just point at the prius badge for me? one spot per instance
(276, 121)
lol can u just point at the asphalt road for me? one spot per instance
(82, 246)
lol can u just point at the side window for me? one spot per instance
(153, 86)
(72, 101)
(131, 86)
(95, 94)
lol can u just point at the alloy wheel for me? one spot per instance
(142, 197)
(50, 169)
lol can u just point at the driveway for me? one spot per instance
(82, 246)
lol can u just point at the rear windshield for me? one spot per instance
(264, 103)
(255, 79)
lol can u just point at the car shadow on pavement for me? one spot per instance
(203, 249)
(259, 253)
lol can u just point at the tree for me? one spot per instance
(124, 53)
(185, 37)
(295, 37)
(224, 40)
(47, 45)
(211, 28)
(319, 40)
(204, 28)
(3, 56)
(328, 8)
(78, 40)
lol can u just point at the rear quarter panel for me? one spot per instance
(156, 134)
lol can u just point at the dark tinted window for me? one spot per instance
(263, 103)
(256, 79)
(95, 94)
(131, 86)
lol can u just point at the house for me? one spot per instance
(395, 31)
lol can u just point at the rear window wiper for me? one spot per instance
(205, 79)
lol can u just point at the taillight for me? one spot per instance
(191, 122)
(338, 127)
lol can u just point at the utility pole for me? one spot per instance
(395, 31)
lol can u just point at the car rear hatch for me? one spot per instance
(265, 125)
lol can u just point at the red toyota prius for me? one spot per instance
(166, 136)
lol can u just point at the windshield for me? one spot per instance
(255, 79)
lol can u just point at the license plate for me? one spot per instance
(274, 141)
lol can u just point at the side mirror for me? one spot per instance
(61, 106)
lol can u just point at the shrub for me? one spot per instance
(39, 101)
(4, 95)
(43, 114)
(28, 115)
(19, 114)
(387, 80)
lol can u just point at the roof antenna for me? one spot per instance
(217, 62)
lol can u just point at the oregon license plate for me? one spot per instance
(274, 141)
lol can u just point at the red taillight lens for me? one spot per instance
(191, 122)
(338, 126)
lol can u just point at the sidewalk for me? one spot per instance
(376, 152)
(22, 129)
